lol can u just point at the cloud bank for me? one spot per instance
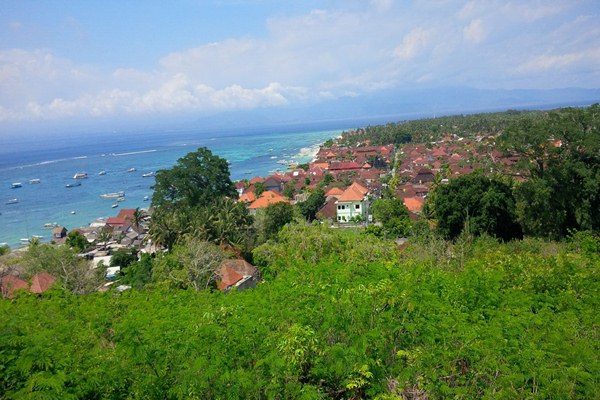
(322, 54)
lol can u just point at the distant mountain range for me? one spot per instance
(347, 112)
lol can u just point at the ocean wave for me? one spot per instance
(58, 160)
(307, 153)
(133, 152)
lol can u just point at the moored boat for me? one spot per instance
(132, 169)
(102, 172)
(148, 174)
(115, 205)
(80, 175)
(70, 185)
(34, 181)
(146, 198)
(113, 195)
(16, 185)
(121, 199)
(12, 201)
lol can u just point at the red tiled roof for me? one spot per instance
(126, 213)
(256, 179)
(232, 271)
(344, 166)
(41, 282)
(10, 284)
(116, 221)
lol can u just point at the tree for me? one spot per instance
(259, 188)
(486, 204)
(104, 236)
(561, 153)
(271, 219)
(313, 204)
(194, 265)
(393, 215)
(123, 258)
(77, 241)
(198, 179)
(74, 272)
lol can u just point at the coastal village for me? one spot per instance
(351, 178)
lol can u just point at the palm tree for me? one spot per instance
(137, 218)
(104, 236)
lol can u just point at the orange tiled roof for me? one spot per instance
(414, 204)
(354, 192)
(247, 197)
(334, 191)
(267, 198)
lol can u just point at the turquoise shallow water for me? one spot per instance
(54, 163)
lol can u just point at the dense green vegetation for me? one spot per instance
(433, 129)
(341, 316)
(467, 309)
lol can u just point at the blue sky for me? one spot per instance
(67, 60)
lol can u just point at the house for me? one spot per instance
(329, 209)
(273, 183)
(266, 198)
(414, 204)
(334, 192)
(424, 176)
(10, 284)
(41, 282)
(247, 197)
(59, 232)
(238, 274)
(353, 204)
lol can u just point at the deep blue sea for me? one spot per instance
(54, 161)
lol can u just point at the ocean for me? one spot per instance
(125, 159)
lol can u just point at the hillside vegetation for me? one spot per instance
(343, 316)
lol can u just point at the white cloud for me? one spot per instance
(321, 54)
(474, 32)
(413, 44)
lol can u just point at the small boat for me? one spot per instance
(146, 198)
(132, 169)
(112, 195)
(148, 174)
(73, 212)
(34, 181)
(16, 185)
(80, 175)
(121, 199)
(12, 201)
(49, 225)
(70, 185)
(24, 240)
(37, 236)
(115, 205)
(102, 173)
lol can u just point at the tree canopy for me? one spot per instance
(198, 179)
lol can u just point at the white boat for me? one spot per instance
(37, 236)
(80, 175)
(102, 172)
(49, 225)
(34, 181)
(115, 205)
(112, 195)
(132, 169)
(73, 212)
(16, 185)
(148, 174)
(12, 201)
(24, 240)
(121, 199)
(146, 198)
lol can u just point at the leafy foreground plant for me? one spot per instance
(328, 325)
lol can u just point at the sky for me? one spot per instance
(118, 60)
